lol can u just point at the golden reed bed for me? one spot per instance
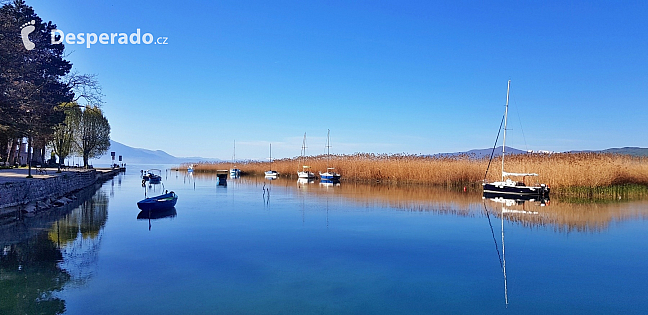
(562, 171)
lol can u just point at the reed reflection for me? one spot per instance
(561, 216)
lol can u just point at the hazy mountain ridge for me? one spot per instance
(144, 156)
(481, 153)
(634, 151)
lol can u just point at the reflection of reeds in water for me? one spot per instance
(408, 197)
(570, 217)
(577, 174)
(560, 215)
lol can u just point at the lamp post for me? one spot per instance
(29, 148)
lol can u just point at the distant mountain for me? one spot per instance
(480, 153)
(634, 151)
(143, 156)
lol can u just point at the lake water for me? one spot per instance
(277, 247)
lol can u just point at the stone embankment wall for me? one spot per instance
(23, 192)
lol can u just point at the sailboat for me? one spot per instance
(330, 174)
(511, 188)
(305, 172)
(234, 172)
(271, 174)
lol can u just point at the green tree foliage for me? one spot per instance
(30, 79)
(34, 82)
(63, 136)
(91, 133)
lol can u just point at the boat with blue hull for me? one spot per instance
(330, 175)
(330, 171)
(154, 176)
(160, 202)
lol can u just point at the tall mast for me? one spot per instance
(508, 89)
(304, 149)
(328, 149)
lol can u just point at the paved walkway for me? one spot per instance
(20, 174)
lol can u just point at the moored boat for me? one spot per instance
(271, 174)
(221, 175)
(508, 187)
(234, 172)
(305, 172)
(165, 201)
(154, 176)
(330, 173)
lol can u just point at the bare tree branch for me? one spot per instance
(85, 87)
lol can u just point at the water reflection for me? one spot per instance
(303, 181)
(33, 269)
(156, 214)
(79, 236)
(29, 277)
(554, 214)
(329, 183)
(386, 251)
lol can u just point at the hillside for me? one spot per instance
(144, 156)
(634, 151)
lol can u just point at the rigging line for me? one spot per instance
(493, 234)
(493, 152)
(526, 147)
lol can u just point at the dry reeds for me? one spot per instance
(562, 171)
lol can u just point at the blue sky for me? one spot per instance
(383, 76)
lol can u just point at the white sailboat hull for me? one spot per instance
(305, 175)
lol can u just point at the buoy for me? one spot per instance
(464, 188)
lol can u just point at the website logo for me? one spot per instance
(89, 39)
(25, 30)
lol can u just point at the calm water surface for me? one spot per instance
(310, 248)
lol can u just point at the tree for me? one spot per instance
(91, 133)
(63, 136)
(85, 87)
(30, 79)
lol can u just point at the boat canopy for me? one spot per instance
(518, 174)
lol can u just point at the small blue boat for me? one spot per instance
(165, 201)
